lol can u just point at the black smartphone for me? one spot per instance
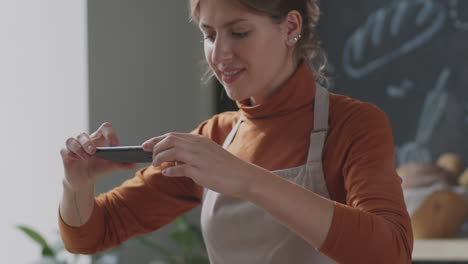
(124, 154)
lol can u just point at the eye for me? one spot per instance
(240, 34)
(209, 35)
(210, 38)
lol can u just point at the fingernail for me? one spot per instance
(90, 149)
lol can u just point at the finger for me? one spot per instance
(168, 142)
(175, 141)
(179, 171)
(171, 155)
(75, 147)
(68, 155)
(107, 133)
(87, 143)
(166, 155)
(150, 143)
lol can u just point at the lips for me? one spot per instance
(231, 75)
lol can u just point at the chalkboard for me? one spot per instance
(408, 57)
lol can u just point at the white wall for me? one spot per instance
(43, 100)
(145, 79)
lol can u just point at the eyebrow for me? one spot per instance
(230, 23)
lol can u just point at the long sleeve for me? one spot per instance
(140, 205)
(373, 226)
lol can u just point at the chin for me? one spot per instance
(235, 96)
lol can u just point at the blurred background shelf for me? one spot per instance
(441, 250)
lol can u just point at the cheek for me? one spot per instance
(263, 50)
(208, 51)
(261, 56)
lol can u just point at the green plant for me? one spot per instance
(188, 238)
(55, 253)
(47, 250)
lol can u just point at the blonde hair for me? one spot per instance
(308, 47)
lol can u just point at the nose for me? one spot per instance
(221, 52)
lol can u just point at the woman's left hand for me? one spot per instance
(204, 161)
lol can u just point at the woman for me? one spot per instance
(296, 175)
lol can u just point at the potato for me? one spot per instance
(451, 162)
(463, 179)
(440, 215)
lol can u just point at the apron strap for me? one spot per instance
(319, 132)
(233, 133)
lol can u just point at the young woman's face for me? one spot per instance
(246, 51)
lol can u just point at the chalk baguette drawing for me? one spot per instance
(383, 32)
(434, 106)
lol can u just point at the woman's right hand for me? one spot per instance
(81, 168)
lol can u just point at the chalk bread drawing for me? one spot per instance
(391, 32)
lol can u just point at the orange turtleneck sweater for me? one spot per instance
(370, 224)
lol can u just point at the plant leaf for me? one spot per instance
(48, 252)
(34, 235)
(185, 238)
(198, 234)
(181, 223)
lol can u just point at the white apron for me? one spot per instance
(237, 232)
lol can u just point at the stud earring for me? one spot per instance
(295, 39)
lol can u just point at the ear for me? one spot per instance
(293, 26)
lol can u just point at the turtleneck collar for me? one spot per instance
(297, 91)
